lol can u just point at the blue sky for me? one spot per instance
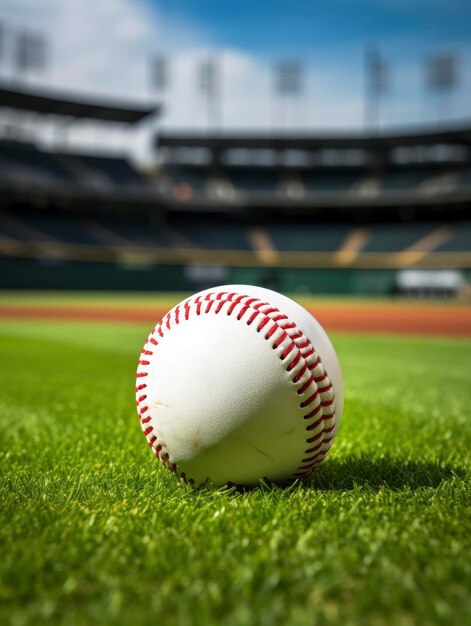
(104, 48)
(331, 36)
(272, 27)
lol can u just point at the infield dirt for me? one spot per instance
(341, 315)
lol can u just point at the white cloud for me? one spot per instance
(102, 47)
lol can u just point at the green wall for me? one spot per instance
(46, 274)
(324, 281)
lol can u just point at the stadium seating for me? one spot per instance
(117, 170)
(26, 164)
(407, 179)
(133, 231)
(201, 232)
(195, 178)
(465, 178)
(222, 233)
(396, 237)
(460, 240)
(329, 182)
(52, 227)
(254, 180)
(309, 237)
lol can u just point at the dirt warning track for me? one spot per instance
(409, 318)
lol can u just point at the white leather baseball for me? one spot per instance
(238, 384)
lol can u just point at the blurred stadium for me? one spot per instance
(370, 212)
(152, 148)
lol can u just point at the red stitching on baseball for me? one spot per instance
(316, 423)
(304, 345)
(314, 412)
(310, 450)
(280, 340)
(252, 317)
(307, 384)
(328, 402)
(242, 313)
(277, 318)
(310, 400)
(263, 324)
(273, 329)
(316, 437)
(259, 304)
(293, 364)
(301, 372)
(232, 307)
(289, 349)
(324, 389)
(308, 353)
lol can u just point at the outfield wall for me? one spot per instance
(22, 273)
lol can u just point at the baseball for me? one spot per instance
(237, 384)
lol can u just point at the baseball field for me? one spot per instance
(94, 531)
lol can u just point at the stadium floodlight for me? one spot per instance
(31, 52)
(442, 72)
(288, 82)
(441, 78)
(208, 83)
(160, 73)
(289, 77)
(377, 85)
(208, 76)
(378, 73)
(3, 33)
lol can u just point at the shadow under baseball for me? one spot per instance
(373, 474)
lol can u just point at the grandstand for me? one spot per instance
(401, 170)
(329, 214)
(35, 175)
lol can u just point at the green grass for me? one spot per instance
(94, 531)
(146, 300)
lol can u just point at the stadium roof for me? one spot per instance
(285, 140)
(60, 104)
